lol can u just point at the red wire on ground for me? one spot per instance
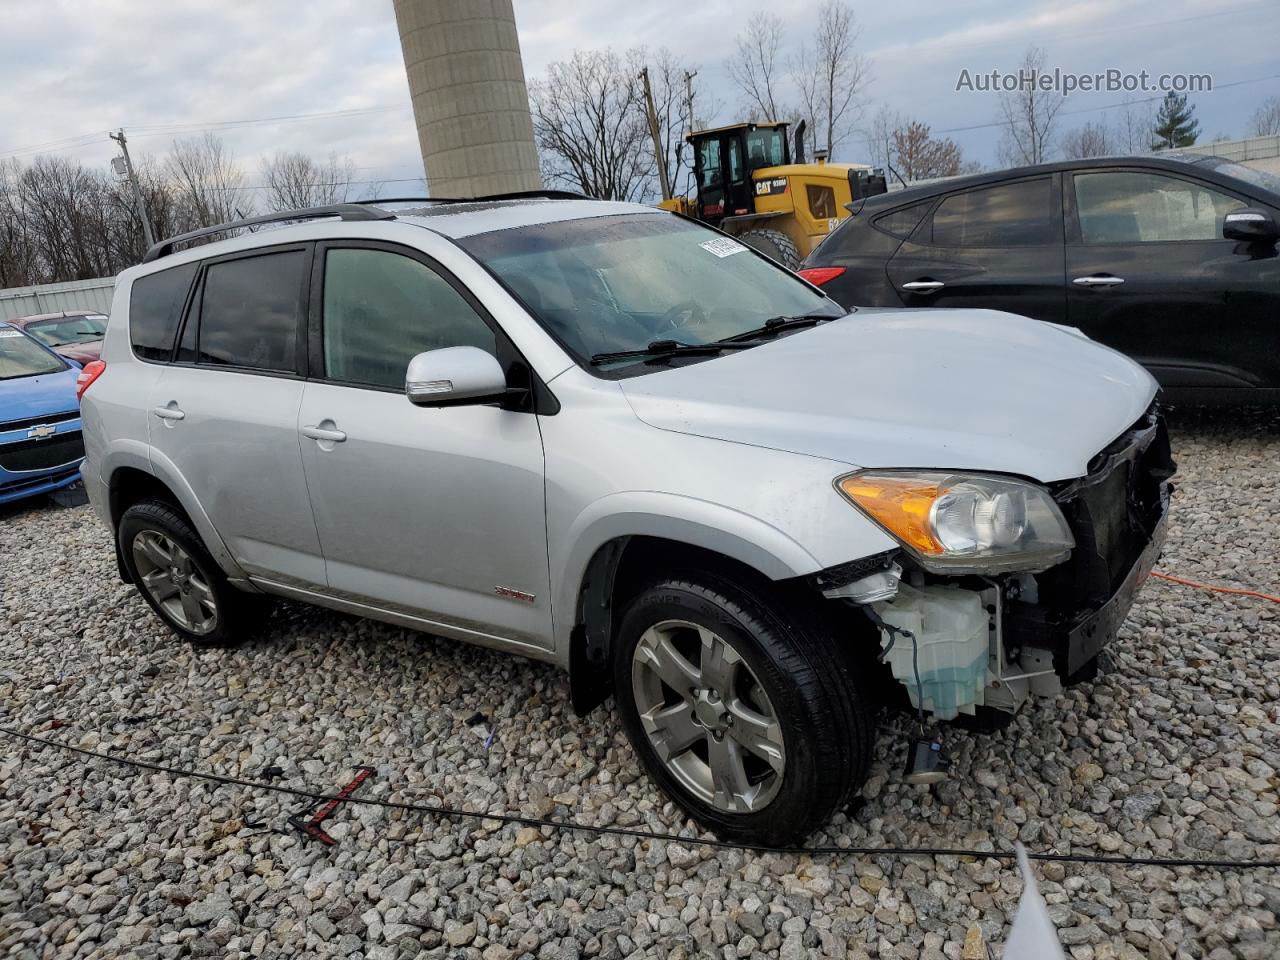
(1209, 586)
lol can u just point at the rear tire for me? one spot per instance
(180, 581)
(775, 245)
(761, 742)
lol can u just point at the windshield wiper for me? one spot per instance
(660, 349)
(776, 325)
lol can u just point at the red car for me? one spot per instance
(75, 334)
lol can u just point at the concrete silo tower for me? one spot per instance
(469, 96)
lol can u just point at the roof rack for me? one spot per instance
(347, 211)
(518, 195)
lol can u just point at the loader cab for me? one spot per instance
(725, 159)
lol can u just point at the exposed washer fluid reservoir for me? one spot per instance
(950, 629)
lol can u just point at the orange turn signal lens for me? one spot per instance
(899, 504)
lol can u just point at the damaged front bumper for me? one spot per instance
(958, 644)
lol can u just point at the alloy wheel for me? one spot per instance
(707, 716)
(174, 581)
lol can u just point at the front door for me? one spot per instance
(998, 247)
(1150, 275)
(433, 513)
(225, 414)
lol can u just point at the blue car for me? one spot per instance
(40, 443)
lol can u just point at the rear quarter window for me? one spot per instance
(155, 307)
(901, 222)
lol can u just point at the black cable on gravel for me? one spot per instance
(441, 811)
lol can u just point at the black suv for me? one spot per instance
(1171, 259)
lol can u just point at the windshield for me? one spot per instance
(67, 330)
(1257, 178)
(20, 356)
(613, 284)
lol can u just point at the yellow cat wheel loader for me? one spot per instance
(749, 186)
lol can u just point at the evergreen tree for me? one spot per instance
(1175, 124)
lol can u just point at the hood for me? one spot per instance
(956, 389)
(81, 353)
(24, 397)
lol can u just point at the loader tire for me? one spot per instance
(773, 244)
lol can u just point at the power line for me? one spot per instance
(442, 811)
(169, 129)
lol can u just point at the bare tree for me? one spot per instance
(1091, 140)
(1029, 115)
(1265, 121)
(19, 259)
(880, 143)
(589, 124)
(294, 180)
(919, 156)
(831, 75)
(1133, 126)
(210, 187)
(757, 70)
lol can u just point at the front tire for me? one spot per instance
(180, 581)
(741, 707)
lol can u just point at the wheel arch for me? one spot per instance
(617, 569)
(129, 480)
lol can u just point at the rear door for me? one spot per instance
(435, 513)
(225, 413)
(1151, 276)
(997, 246)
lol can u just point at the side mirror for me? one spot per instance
(1249, 224)
(454, 375)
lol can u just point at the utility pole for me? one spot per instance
(659, 154)
(688, 95)
(147, 235)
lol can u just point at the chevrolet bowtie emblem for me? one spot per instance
(40, 432)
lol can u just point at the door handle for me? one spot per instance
(323, 433)
(1096, 281)
(169, 413)
(923, 286)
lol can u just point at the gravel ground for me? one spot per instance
(1174, 751)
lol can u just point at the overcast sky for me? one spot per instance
(72, 69)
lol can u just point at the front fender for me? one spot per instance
(700, 523)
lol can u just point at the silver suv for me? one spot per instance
(608, 437)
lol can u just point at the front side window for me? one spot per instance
(766, 148)
(20, 356)
(155, 306)
(68, 330)
(250, 312)
(1009, 215)
(381, 309)
(1124, 207)
(619, 283)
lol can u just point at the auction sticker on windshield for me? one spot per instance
(722, 246)
(10, 332)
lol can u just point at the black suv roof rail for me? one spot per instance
(346, 211)
(517, 195)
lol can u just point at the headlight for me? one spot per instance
(959, 523)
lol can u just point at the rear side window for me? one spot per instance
(155, 306)
(251, 312)
(1010, 215)
(900, 222)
